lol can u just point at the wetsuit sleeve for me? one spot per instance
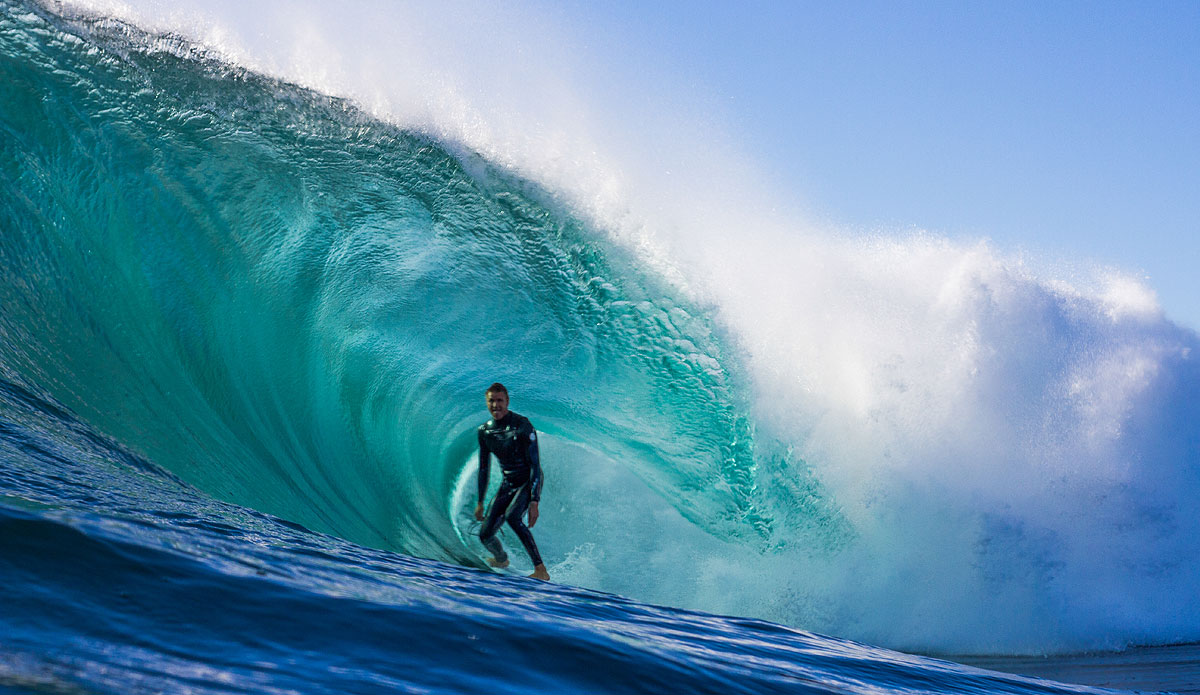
(484, 468)
(535, 467)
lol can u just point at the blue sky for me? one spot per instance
(1067, 130)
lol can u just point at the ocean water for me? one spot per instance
(249, 309)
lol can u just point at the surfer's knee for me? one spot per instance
(516, 519)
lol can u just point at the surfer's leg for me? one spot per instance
(516, 521)
(492, 523)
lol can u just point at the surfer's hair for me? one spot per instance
(496, 388)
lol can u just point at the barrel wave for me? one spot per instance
(266, 295)
(294, 307)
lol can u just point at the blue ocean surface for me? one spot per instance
(123, 579)
(245, 331)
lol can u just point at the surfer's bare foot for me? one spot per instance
(498, 564)
(540, 572)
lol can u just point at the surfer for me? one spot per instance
(512, 439)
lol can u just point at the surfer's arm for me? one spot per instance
(535, 468)
(484, 468)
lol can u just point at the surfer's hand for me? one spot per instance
(479, 511)
(533, 514)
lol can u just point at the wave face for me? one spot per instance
(267, 297)
(243, 271)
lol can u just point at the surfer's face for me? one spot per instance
(497, 404)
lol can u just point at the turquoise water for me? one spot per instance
(247, 271)
(245, 332)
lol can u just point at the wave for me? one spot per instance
(292, 304)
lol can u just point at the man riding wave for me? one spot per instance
(512, 439)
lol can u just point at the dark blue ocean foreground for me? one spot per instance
(120, 579)
(93, 608)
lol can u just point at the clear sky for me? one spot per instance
(1070, 130)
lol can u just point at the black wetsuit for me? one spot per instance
(514, 442)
